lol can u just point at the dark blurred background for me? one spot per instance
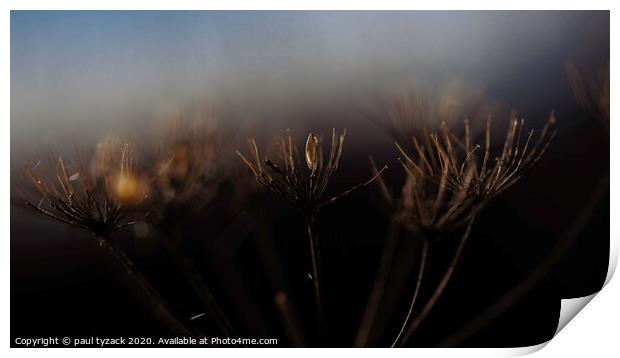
(79, 76)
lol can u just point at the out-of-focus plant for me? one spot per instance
(408, 113)
(186, 178)
(592, 96)
(188, 174)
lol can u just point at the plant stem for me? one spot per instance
(288, 319)
(442, 285)
(537, 275)
(161, 308)
(273, 269)
(193, 278)
(201, 289)
(383, 271)
(315, 263)
(421, 273)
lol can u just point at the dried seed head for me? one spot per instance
(312, 146)
(304, 190)
(449, 180)
(68, 193)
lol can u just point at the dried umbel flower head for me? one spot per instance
(493, 174)
(303, 187)
(93, 197)
(425, 206)
(448, 181)
(300, 186)
(70, 194)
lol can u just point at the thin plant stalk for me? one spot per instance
(161, 308)
(273, 269)
(383, 272)
(207, 298)
(202, 290)
(415, 324)
(315, 264)
(416, 292)
(537, 275)
(288, 319)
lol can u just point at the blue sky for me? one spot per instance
(99, 68)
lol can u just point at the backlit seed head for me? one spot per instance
(312, 145)
(302, 188)
(74, 195)
(128, 189)
(448, 180)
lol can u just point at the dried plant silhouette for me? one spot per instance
(99, 201)
(447, 183)
(450, 175)
(304, 186)
(231, 170)
(448, 180)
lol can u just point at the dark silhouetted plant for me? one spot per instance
(303, 185)
(447, 183)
